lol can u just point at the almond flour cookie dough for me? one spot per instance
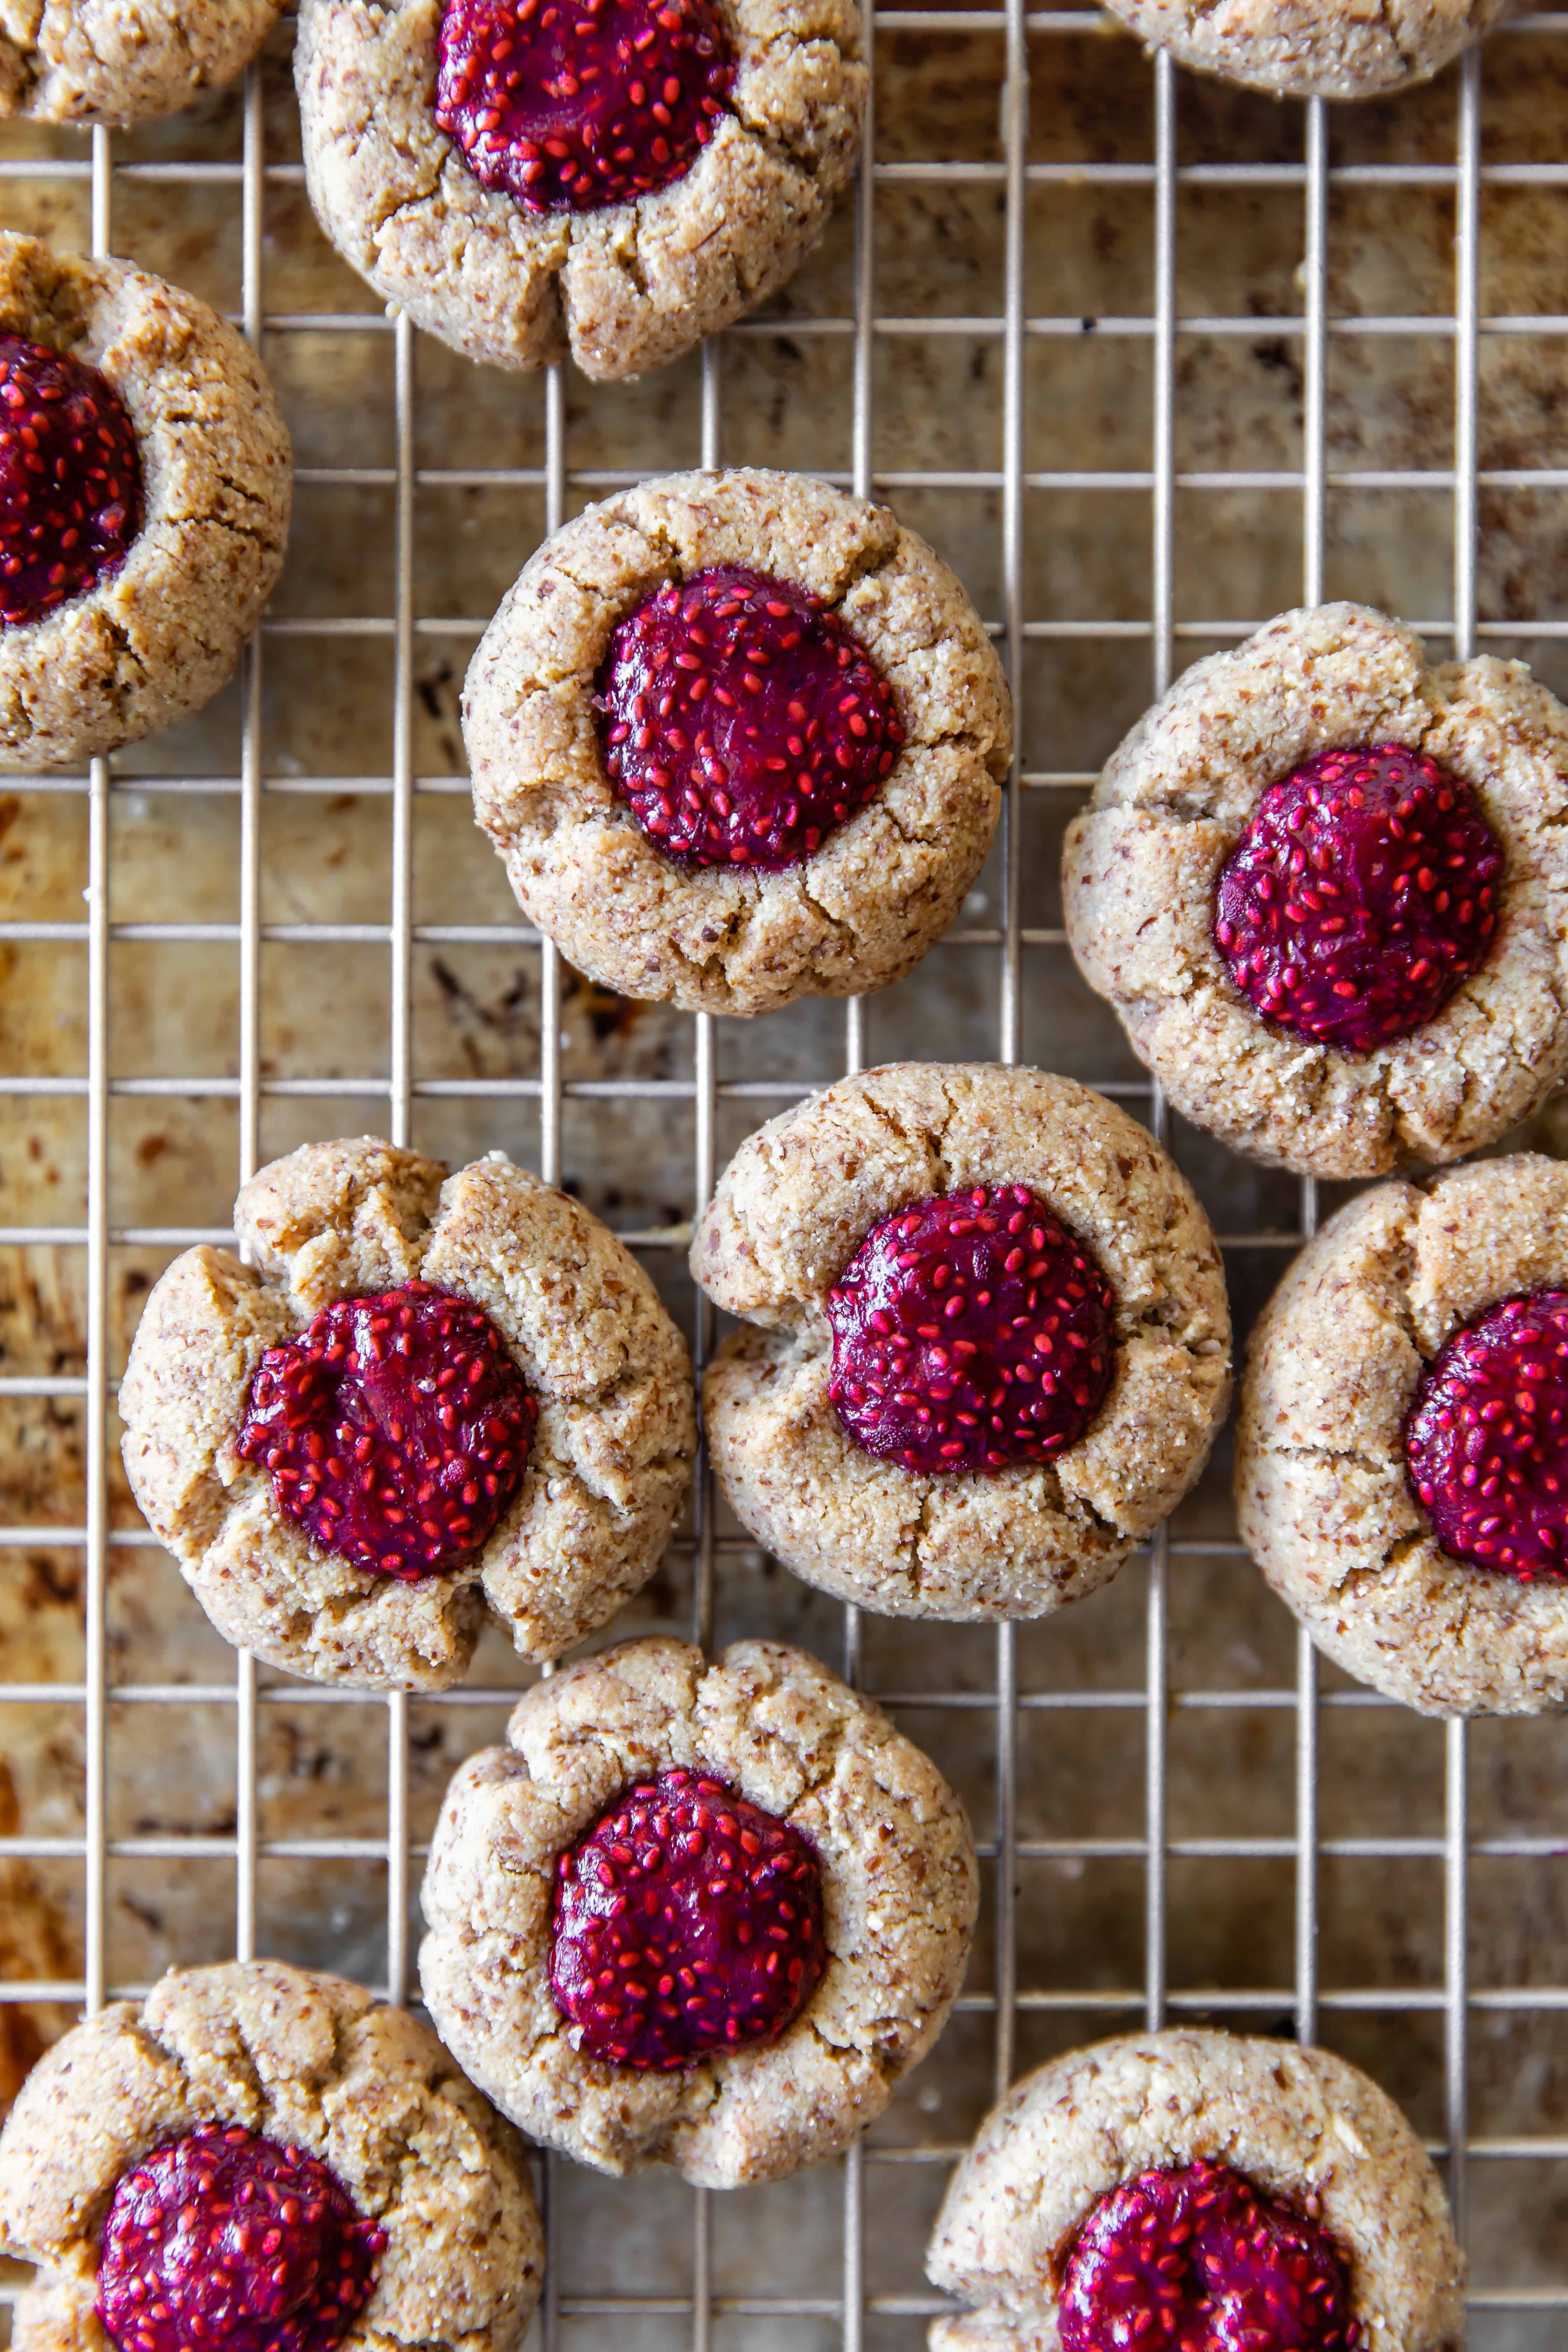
(397, 2206)
(1147, 2176)
(289, 1431)
(135, 559)
(738, 739)
(781, 1888)
(1324, 885)
(1072, 1364)
(1314, 48)
(123, 60)
(685, 162)
(1400, 1475)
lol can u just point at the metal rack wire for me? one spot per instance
(391, 1099)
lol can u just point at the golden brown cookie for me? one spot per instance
(938, 1482)
(1314, 48)
(480, 236)
(835, 1846)
(123, 60)
(163, 529)
(1388, 1360)
(253, 2088)
(1079, 2198)
(1381, 985)
(289, 1437)
(723, 871)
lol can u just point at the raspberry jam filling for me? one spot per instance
(396, 1429)
(570, 105)
(1197, 2260)
(687, 1921)
(226, 2240)
(71, 480)
(1487, 1441)
(1360, 895)
(970, 1331)
(741, 720)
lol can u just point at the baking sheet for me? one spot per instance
(786, 2266)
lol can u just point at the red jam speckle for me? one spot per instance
(688, 1921)
(223, 2239)
(1487, 1441)
(969, 1332)
(396, 1429)
(71, 480)
(741, 720)
(570, 105)
(1199, 2261)
(1362, 894)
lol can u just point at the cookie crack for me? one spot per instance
(1085, 1513)
(842, 931)
(248, 497)
(1358, 1580)
(429, 195)
(152, 2045)
(603, 1391)
(937, 1142)
(624, 1517)
(1385, 16)
(867, 563)
(922, 1530)
(964, 738)
(19, 66)
(1376, 1466)
(778, 151)
(715, 965)
(119, 636)
(267, 542)
(883, 2059)
(336, 1613)
(776, 144)
(338, 2064)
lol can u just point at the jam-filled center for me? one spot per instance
(226, 2240)
(397, 1430)
(1360, 895)
(570, 105)
(741, 720)
(1196, 2260)
(71, 480)
(970, 1331)
(1486, 1443)
(687, 1921)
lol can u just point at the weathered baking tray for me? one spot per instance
(1148, 360)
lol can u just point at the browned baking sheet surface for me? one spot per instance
(400, 553)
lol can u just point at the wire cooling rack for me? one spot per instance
(851, 2274)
